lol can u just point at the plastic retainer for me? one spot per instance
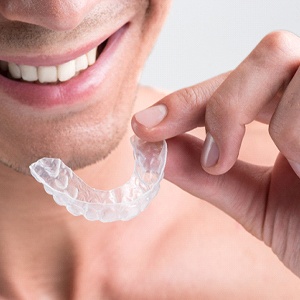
(122, 203)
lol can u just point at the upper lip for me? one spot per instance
(76, 90)
(57, 59)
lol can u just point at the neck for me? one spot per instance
(35, 232)
(47, 253)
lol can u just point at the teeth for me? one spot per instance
(50, 74)
(14, 70)
(81, 63)
(91, 56)
(66, 71)
(29, 73)
(47, 74)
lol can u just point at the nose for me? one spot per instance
(53, 14)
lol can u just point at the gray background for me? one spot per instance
(204, 38)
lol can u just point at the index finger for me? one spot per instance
(246, 91)
(176, 113)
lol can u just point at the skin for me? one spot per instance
(180, 247)
(263, 199)
(102, 121)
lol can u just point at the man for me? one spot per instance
(69, 81)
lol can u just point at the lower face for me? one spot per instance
(79, 116)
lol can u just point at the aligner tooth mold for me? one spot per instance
(122, 203)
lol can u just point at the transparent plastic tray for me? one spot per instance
(122, 203)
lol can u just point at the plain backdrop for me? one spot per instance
(204, 38)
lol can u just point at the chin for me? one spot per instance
(75, 152)
(52, 104)
(79, 138)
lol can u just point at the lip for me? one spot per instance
(77, 89)
(54, 60)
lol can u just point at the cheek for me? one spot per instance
(157, 12)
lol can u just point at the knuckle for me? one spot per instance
(278, 40)
(223, 103)
(188, 98)
(216, 103)
(278, 46)
(198, 95)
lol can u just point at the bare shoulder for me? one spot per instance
(147, 96)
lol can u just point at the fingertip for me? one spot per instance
(151, 116)
(210, 154)
(146, 123)
(215, 159)
(210, 157)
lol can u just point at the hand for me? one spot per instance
(264, 87)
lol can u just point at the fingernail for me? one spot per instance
(210, 152)
(152, 116)
(295, 166)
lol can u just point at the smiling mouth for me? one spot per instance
(51, 74)
(52, 81)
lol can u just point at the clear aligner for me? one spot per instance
(122, 203)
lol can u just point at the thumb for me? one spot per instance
(240, 192)
(176, 113)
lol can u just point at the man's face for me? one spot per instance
(61, 107)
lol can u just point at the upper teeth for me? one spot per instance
(48, 74)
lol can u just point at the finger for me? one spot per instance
(241, 192)
(176, 113)
(248, 90)
(264, 200)
(285, 124)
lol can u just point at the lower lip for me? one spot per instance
(67, 93)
